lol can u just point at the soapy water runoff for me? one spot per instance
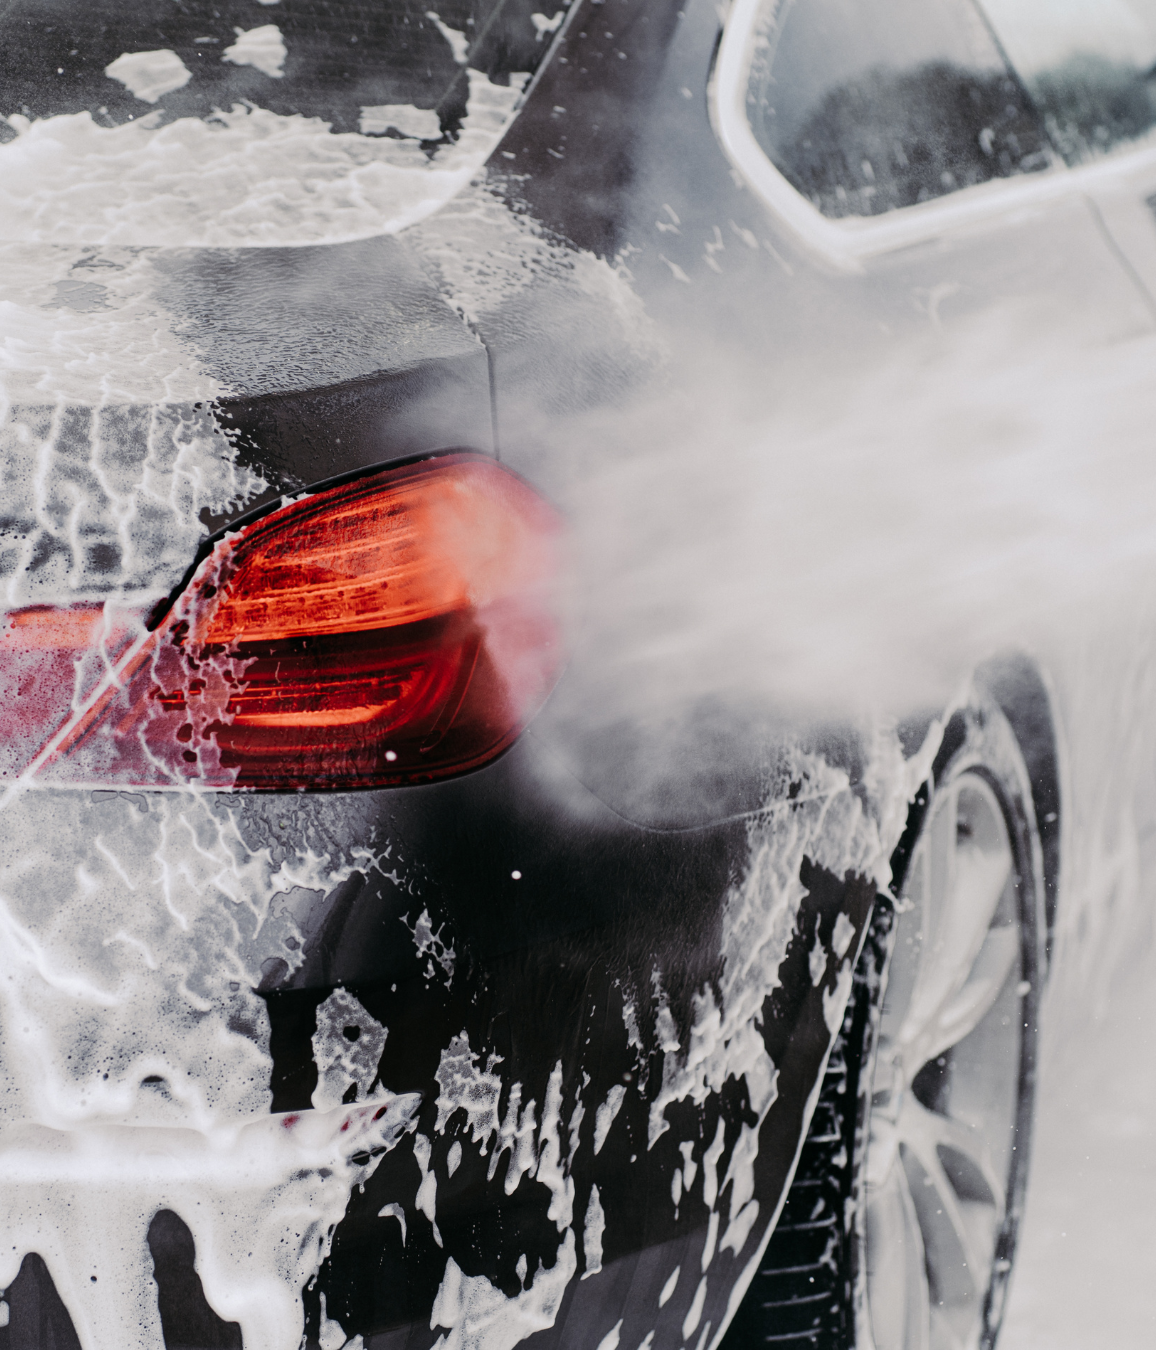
(1027, 522)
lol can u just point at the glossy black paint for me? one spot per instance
(341, 55)
(337, 357)
(603, 911)
(347, 356)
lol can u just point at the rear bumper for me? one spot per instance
(616, 1032)
(649, 1000)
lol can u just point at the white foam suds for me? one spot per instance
(330, 1333)
(464, 1085)
(544, 26)
(109, 500)
(592, 1231)
(667, 1291)
(484, 256)
(828, 824)
(817, 960)
(426, 1201)
(689, 1166)
(261, 1201)
(83, 326)
(134, 1062)
(517, 1138)
(245, 176)
(150, 75)
(138, 925)
(263, 48)
(690, 1324)
(841, 937)
(604, 1116)
(418, 123)
(612, 1337)
(710, 1161)
(835, 1000)
(477, 1314)
(347, 1048)
(472, 1310)
(553, 1169)
(433, 946)
(394, 1211)
(459, 41)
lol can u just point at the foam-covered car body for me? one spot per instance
(531, 1050)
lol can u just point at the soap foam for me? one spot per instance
(134, 1060)
(108, 501)
(245, 176)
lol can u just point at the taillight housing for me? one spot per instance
(399, 628)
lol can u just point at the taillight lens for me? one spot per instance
(397, 629)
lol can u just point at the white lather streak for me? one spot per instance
(831, 828)
(134, 1063)
(473, 1312)
(245, 176)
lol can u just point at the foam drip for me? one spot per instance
(261, 1202)
(134, 1062)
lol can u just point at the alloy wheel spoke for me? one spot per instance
(930, 1129)
(966, 867)
(943, 1334)
(957, 943)
(956, 1275)
(896, 1279)
(960, 1016)
(958, 1258)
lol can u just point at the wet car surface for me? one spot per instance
(535, 1043)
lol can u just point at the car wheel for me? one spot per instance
(899, 1230)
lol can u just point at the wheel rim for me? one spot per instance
(946, 1087)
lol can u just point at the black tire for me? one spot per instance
(812, 1288)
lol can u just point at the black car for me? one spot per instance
(399, 951)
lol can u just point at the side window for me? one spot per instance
(865, 106)
(1088, 65)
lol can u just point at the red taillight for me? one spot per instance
(396, 629)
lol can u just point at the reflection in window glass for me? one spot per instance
(1090, 68)
(869, 105)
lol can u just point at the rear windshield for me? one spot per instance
(330, 59)
(226, 123)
